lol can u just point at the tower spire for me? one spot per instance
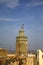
(21, 31)
(22, 26)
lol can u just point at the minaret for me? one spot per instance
(21, 42)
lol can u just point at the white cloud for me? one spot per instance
(10, 3)
(1, 1)
(34, 4)
(31, 18)
(9, 19)
(13, 3)
(36, 0)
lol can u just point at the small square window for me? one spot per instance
(42, 56)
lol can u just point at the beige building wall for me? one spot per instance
(11, 55)
(31, 59)
(3, 53)
(40, 57)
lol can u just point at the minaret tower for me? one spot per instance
(21, 42)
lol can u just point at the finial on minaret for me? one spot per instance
(22, 26)
(21, 31)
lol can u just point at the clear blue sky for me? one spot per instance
(14, 13)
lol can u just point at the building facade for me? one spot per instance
(3, 53)
(31, 59)
(40, 57)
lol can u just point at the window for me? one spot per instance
(42, 56)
